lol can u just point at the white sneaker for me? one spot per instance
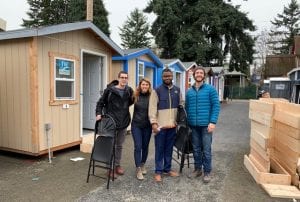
(144, 171)
(139, 174)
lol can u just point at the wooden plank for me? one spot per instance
(288, 165)
(265, 130)
(259, 167)
(288, 118)
(273, 178)
(292, 143)
(263, 153)
(261, 106)
(287, 147)
(263, 177)
(261, 117)
(288, 130)
(294, 175)
(265, 163)
(34, 103)
(273, 100)
(282, 191)
(259, 137)
(251, 168)
(276, 167)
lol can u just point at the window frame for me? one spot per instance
(63, 100)
(138, 71)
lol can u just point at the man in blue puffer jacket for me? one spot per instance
(203, 107)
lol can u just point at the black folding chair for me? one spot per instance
(183, 143)
(103, 152)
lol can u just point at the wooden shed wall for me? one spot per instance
(117, 66)
(132, 73)
(15, 107)
(146, 58)
(65, 122)
(279, 65)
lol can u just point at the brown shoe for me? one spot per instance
(157, 178)
(110, 173)
(119, 170)
(172, 173)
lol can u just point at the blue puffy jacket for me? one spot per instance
(202, 106)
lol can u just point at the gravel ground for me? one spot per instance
(24, 178)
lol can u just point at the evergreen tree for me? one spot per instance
(204, 31)
(135, 31)
(51, 12)
(286, 27)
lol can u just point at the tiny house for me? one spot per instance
(139, 63)
(178, 69)
(50, 77)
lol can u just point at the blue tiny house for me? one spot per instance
(139, 63)
(178, 69)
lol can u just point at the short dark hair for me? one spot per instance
(166, 70)
(121, 72)
(197, 68)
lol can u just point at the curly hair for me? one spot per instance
(138, 89)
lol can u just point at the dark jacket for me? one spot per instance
(140, 115)
(116, 106)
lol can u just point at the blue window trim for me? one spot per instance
(125, 66)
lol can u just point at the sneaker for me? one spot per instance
(157, 177)
(139, 174)
(172, 173)
(143, 168)
(206, 178)
(197, 173)
(119, 170)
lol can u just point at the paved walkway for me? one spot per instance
(231, 181)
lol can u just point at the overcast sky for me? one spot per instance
(261, 11)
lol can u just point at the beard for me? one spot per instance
(199, 79)
(167, 82)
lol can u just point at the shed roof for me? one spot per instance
(188, 65)
(217, 70)
(136, 52)
(53, 29)
(235, 73)
(170, 62)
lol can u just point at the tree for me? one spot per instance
(205, 31)
(51, 12)
(135, 31)
(286, 26)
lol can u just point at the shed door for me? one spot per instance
(92, 68)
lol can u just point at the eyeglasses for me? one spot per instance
(123, 77)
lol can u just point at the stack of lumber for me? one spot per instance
(259, 162)
(287, 138)
(275, 146)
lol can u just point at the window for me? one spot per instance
(63, 74)
(140, 71)
(64, 79)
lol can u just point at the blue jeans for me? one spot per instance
(141, 139)
(164, 142)
(202, 140)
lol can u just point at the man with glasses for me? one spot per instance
(115, 101)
